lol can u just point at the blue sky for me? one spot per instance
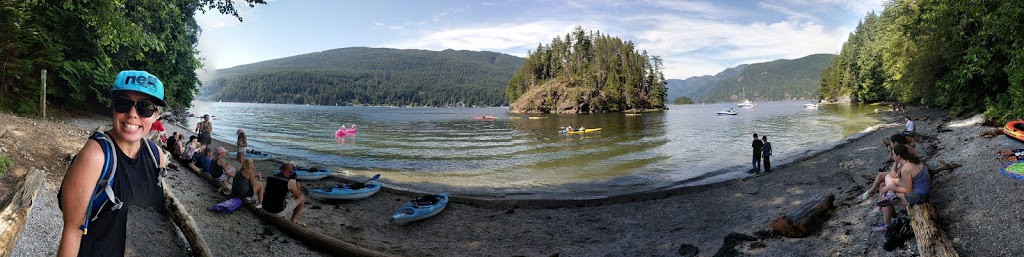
(693, 37)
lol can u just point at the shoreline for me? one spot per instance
(588, 197)
(975, 204)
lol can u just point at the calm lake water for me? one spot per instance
(445, 149)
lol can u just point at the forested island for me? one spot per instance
(369, 76)
(587, 72)
(965, 56)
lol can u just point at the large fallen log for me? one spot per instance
(930, 240)
(806, 219)
(307, 236)
(188, 226)
(17, 209)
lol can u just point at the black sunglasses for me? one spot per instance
(143, 108)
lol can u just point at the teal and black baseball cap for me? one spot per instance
(142, 82)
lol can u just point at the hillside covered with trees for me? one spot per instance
(83, 45)
(587, 72)
(967, 56)
(697, 88)
(370, 76)
(774, 80)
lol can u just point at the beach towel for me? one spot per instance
(227, 207)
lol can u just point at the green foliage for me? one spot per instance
(370, 76)
(962, 55)
(83, 44)
(775, 80)
(616, 75)
(5, 163)
(683, 100)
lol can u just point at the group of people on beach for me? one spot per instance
(99, 187)
(762, 152)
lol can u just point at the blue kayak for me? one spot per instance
(346, 192)
(306, 174)
(420, 208)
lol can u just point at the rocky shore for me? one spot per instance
(978, 207)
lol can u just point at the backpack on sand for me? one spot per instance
(897, 232)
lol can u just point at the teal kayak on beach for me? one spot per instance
(420, 208)
(354, 191)
(309, 173)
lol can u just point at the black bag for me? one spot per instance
(897, 233)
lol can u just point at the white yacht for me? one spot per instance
(746, 104)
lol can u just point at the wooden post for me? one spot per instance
(42, 93)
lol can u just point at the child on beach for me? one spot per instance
(242, 144)
(766, 153)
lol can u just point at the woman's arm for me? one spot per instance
(77, 188)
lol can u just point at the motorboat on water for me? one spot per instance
(811, 106)
(727, 111)
(746, 104)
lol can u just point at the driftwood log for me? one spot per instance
(931, 242)
(307, 236)
(188, 225)
(944, 166)
(805, 220)
(16, 210)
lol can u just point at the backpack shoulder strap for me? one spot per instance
(102, 192)
(155, 154)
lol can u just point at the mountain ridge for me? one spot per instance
(781, 79)
(369, 76)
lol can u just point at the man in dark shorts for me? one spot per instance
(757, 145)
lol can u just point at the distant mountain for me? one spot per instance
(769, 81)
(370, 76)
(697, 88)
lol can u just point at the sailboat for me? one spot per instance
(746, 103)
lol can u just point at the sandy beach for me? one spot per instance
(978, 207)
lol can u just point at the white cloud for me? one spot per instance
(706, 43)
(794, 15)
(703, 8)
(512, 38)
(391, 27)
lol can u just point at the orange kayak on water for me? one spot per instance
(1015, 129)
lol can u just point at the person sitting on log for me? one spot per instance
(246, 184)
(276, 200)
(913, 185)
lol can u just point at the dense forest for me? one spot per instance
(593, 73)
(369, 76)
(84, 44)
(774, 80)
(967, 56)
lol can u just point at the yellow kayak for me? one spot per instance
(589, 130)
